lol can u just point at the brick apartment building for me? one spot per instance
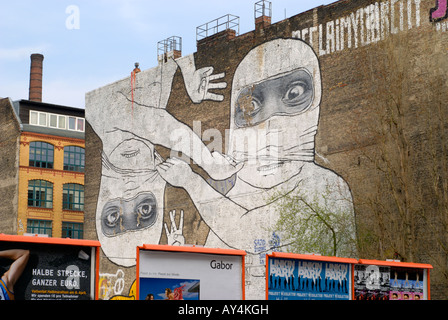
(43, 161)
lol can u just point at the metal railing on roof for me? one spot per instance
(170, 44)
(215, 26)
(263, 8)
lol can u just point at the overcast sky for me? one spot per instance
(101, 44)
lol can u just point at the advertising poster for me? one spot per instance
(372, 282)
(173, 275)
(291, 279)
(406, 284)
(37, 271)
(169, 289)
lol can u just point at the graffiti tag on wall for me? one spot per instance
(439, 12)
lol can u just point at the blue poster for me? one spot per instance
(168, 289)
(290, 279)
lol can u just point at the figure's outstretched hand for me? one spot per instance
(175, 234)
(200, 83)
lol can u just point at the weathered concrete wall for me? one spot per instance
(337, 101)
(9, 162)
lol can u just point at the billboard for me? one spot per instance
(37, 268)
(308, 277)
(314, 277)
(189, 273)
(372, 282)
(391, 280)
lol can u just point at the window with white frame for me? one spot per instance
(57, 121)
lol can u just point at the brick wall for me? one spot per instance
(9, 179)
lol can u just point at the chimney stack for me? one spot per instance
(35, 92)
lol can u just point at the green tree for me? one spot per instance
(316, 224)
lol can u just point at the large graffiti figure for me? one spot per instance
(130, 202)
(276, 95)
(275, 105)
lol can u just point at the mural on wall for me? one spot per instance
(111, 285)
(130, 122)
(368, 25)
(274, 116)
(275, 102)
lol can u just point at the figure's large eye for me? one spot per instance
(124, 215)
(255, 106)
(286, 94)
(112, 216)
(295, 93)
(144, 210)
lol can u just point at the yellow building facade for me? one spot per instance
(42, 182)
(51, 185)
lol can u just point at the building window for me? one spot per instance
(42, 119)
(39, 227)
(73, 197)
(57, 121)
(71, 123)
(40, 194)
(38, 118)
(72, 230)
(76, 124)
(41, 155)
(53, 121)
(61, 122)
(74, 158)
(34, 117)
(80, 124)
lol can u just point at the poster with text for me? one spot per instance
(171, 275)
(291, 279)
(169, 289)
(406, 284)
(37, 271)
(372, 282)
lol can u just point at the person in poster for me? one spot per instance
(150, 296)
(168, 289)
(40, 271)
(372, 282)
(10, 277)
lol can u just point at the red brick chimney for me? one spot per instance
(263, 11)
(262, 22)
(35, 93)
